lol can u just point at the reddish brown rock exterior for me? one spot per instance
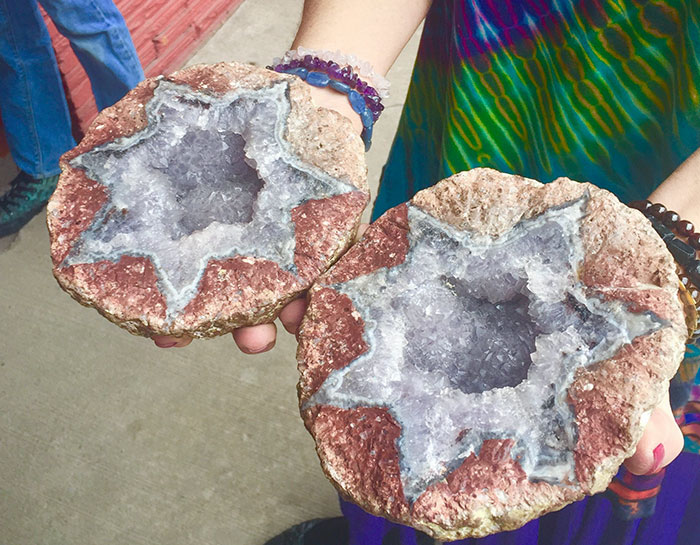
(360, 456)
(625, 260)
(233, 292)
(333, 337)
(385, 245)
(106, 280)
(491, 480)
(313, 220)
(230, 288)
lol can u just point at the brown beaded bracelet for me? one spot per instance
(669, 225)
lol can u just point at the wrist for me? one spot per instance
(681, 190)
(363, 99)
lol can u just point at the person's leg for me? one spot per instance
(33, 106)
(34, 112)
(101, 41)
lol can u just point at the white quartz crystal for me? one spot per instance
(474, 338)
(208, 178)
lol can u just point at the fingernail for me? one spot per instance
(165, 344)
(658, 453)
(263, 349)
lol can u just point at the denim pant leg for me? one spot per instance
(101, 41)
(33, 106)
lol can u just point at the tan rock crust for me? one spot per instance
(624, 260)
(233, 292)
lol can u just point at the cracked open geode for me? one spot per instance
(205, 201)
(488, 352)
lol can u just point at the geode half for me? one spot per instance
(488, 352)
(205, 201)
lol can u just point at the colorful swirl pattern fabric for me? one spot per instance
(634, 496)
(597, 90)
(688, 414)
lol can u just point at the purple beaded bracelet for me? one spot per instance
(364, 99)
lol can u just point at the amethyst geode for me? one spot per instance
(205, 200)
(488, 352)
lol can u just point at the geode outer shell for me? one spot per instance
(432, 419)
(289, 234)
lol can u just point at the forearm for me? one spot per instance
(681, 190)
(373, 31)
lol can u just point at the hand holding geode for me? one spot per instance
(205, 200)
(487, 352)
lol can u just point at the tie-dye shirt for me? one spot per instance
(597, 90)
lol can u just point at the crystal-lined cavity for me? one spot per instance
(473, 338)
(210, 177)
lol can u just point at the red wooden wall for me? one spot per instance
(165, 33)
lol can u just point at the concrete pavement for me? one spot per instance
(106, 439)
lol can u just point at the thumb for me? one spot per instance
(661, 442)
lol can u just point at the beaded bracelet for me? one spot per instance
(363, 69)
(669, 226)
(364, 99)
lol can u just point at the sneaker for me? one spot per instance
(25, 198)
(332, 531)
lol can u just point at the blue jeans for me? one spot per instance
(32, 101)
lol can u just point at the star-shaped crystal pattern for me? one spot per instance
(473, 338)
(208, 178)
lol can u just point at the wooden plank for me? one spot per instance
(175, 55)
